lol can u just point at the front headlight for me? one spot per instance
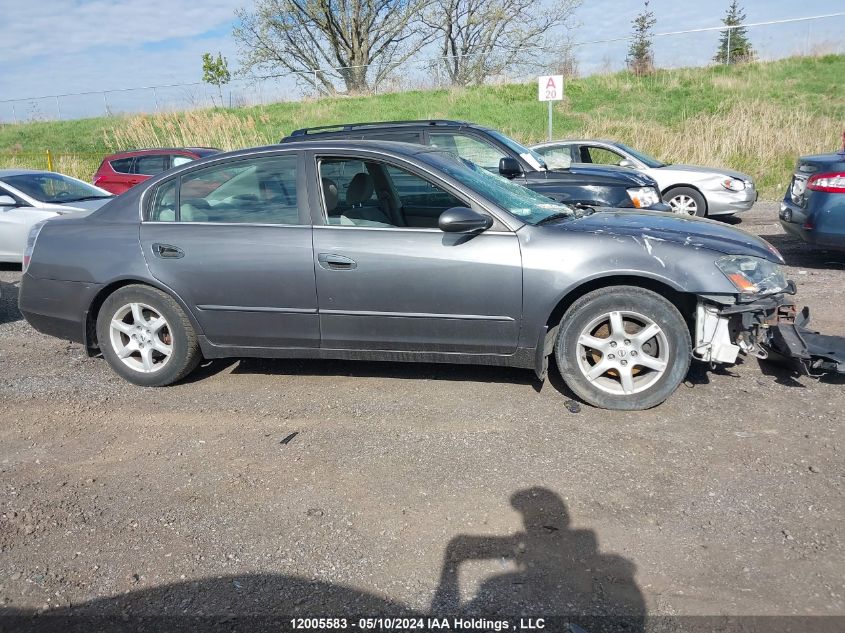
(733, 184)
(643, 197)
(752, 275)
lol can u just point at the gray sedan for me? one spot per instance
(377, 250)
(28, 197)
(688, 189)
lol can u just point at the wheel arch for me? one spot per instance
(678, 185)
(683, 301)
(91, 343)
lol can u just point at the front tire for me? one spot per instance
(623, 348)
(146, 337)
(686, 201)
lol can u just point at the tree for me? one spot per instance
(215, 71)
(734, 47)
(356, 42)
(480, 38)
(640, 53)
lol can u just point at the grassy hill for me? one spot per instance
(756, 118)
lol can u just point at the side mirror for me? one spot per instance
(7, 201)
(463, 220)
(509, 167)
(626, 163)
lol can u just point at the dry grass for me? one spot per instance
(197, 128)
(754, 136)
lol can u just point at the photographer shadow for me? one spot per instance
(559, 573)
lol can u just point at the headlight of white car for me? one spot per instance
(752, 275)
(733, 184)
(643, 197)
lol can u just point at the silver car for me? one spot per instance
(688, 189)
(27, 197)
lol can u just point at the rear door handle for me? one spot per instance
(330, 261)
(166, 251)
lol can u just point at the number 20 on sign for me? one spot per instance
(550, 88)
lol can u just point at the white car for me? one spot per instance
(688, 189)
(28, 197)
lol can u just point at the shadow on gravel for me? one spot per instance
(557, 573)
(799, 254)
(365, 369)
(9, 302)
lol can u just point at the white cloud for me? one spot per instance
(59, 27)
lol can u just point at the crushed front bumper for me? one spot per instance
(768, 328)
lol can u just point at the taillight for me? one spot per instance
(30, 243)
(833, 182)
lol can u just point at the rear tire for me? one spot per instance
(686, 201)
(146, 337)
(623, 348)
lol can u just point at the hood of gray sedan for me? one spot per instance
(686, 231)
(706, 171)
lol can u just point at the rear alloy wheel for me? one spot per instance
(146, 336)
(623, 348)
(686, 201)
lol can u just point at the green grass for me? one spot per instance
(756, 118)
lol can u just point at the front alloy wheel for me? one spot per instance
(623, 347)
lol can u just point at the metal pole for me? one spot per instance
(14, 113)
(58, 109)
(728, 58)
(550, 120)
(155, 98)
(105, 104)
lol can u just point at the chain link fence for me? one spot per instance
(811, 35)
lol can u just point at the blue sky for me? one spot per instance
(112, 44)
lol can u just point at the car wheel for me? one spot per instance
(146, 337)
(686, 201)
(623, 348)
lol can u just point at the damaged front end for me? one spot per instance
(768, 327)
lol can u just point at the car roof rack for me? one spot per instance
(344, 127)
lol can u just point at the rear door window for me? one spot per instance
(151, 164)
(600, 155)
(254, 191)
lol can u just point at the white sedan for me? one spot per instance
(28, 197)
(688, 189)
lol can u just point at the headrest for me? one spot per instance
(360, 188)
(330, 194)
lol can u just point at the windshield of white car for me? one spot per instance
(529, 206)
(647, 160)
(531, 157)
(54, 188)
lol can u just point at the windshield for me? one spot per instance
(54, 188)
(527, 205)
(643, 158)
(528, 155)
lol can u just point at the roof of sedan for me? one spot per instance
(577, 140)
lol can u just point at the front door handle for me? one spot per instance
(166, 251)
(330, 261)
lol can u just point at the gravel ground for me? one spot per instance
(470, 488)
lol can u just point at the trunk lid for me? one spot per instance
(806, 167)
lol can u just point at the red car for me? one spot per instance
(122, 171)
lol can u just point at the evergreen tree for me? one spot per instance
(640, 53)
(734, 47)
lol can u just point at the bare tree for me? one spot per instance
(480, 38)
(355, 42)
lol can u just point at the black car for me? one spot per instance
(592, 185)
(813, 208)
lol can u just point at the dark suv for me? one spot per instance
(599, 186)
